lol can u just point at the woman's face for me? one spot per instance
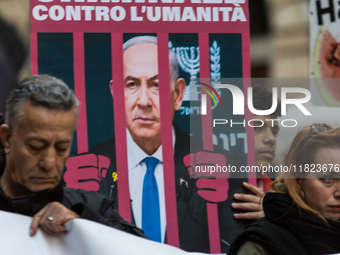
(322, 190)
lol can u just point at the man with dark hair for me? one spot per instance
(265, 134)
(41, 115)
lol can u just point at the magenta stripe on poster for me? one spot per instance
(166, 131)
(34, 53)
(207, 130)
(80, 90)
(120, 126)
(207, 134)
(248, 115)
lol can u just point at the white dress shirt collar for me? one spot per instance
(136, 154)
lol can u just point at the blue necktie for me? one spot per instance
(151, 219)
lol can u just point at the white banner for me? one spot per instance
(84, 238)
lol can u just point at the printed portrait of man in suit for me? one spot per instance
(143, 136)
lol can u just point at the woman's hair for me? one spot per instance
(303, 150)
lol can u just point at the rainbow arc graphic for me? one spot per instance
(204, 97)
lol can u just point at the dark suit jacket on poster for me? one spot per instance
(191, 208)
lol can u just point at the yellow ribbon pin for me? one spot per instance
(114, 176)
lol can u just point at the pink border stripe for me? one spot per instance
(207, 133)
(166, 131)
(120, 126)
(80, 90)
(248, 114)
(207, 130)
(34, 53)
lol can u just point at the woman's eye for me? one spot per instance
(328, 179)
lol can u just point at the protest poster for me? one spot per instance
(322, 99)
(80, 41)
(324, 48)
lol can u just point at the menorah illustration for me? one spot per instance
(189, 61)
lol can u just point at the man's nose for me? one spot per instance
(144, 96)
(48, 159)
(269, 137)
